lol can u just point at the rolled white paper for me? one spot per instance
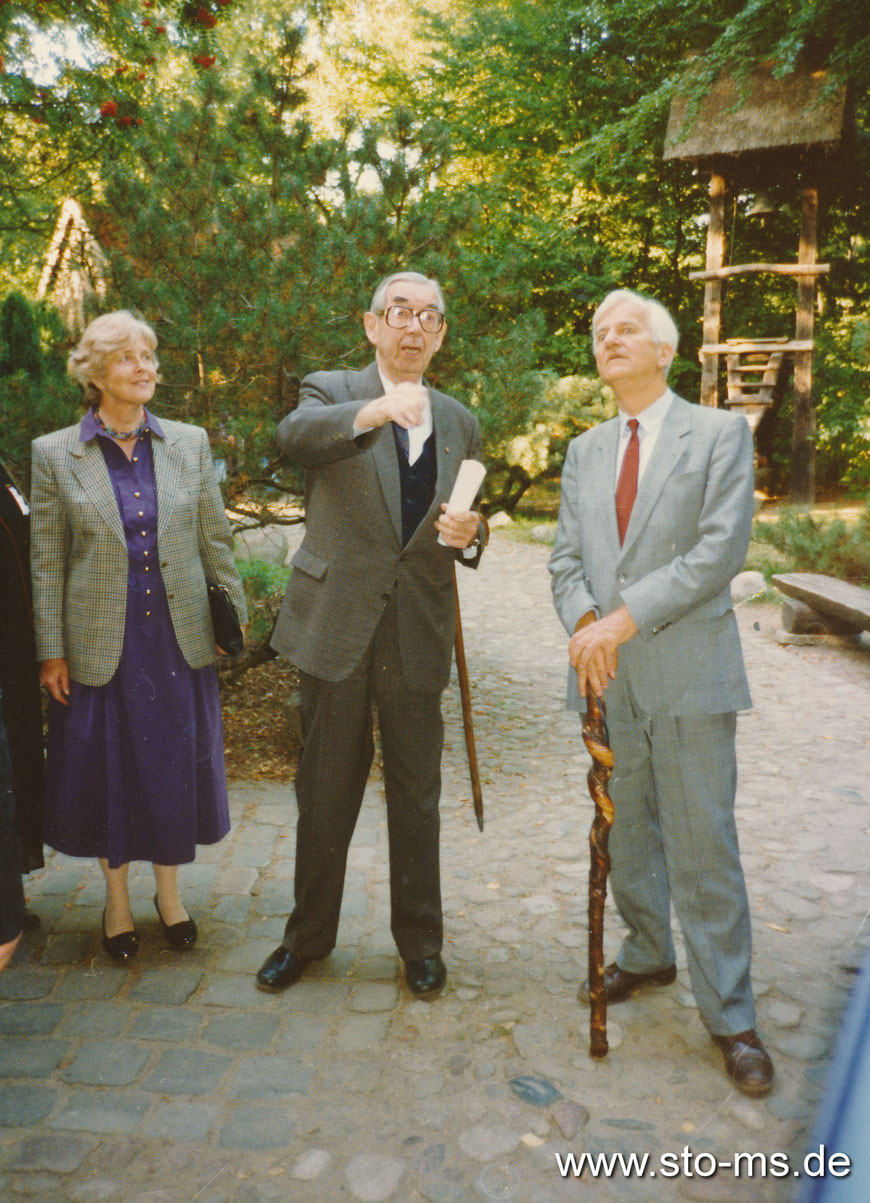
(468, 481)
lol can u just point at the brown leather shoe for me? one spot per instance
(619, 984)
(747, 1063)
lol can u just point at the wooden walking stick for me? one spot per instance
(467, 719)
(597, 742)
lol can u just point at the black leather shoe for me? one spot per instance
(747, 1063)
(179, 935)
(282, 969)
(122, 947)
(619, 984)
(426, 977)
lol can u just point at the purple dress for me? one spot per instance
(135, 767)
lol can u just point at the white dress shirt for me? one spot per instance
(649, 424)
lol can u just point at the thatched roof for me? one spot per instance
(75, 268)
(757, 113)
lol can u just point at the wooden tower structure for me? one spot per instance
(755, 132)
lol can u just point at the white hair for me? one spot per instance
(105, 336)
(380, 296)
(661, 325)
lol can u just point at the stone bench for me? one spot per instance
(822, 605)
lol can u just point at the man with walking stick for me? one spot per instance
(654, 521)
(369, 619)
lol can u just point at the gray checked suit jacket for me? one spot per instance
(688, 536)
(79, 556)
(352, 557)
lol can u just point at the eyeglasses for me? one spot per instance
(400, 316)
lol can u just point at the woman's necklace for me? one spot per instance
(123, 435)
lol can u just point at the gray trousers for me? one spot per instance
(330, 783)
(674, 840)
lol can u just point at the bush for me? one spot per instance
(829, 546)
(264, 590)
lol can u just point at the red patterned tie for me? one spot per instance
(626, 486)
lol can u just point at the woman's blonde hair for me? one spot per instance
(104, 336)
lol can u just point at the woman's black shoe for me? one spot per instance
(122, 947)
(179, 935)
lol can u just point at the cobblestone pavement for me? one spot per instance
(175, 1079)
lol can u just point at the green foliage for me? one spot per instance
(257, 175)
(264, 585)
(35, 395)
(809, 544)
(19, 339)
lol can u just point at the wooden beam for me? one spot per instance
(738, 346)
(713, 288)
(803, 475)
(777, 269)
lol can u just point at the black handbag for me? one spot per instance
(224, 620)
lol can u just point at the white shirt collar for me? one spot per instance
(649, 419)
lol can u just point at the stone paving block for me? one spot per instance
(198, 873)
(240, 879)
(29, 1019)
(232, 909)
(258, 1128)
(180, 1123)
(252, 856)
(273, 928)
(241, 1031)
(187, 1071)
(173, 1024)
(99, 982)
(301, 1033)
(378, 968)
(101, 1111)
(107, 1063)
(374, 997)
(30, 1057)
(248, 956)
(270, 1077)
(68, 948)
(24, 1106)
(55, 880)
(103, 1018)
(26, 983)
(233, 990)
(314, 997)
(358, 1033)
(167, 986)
(60, 1154)
(75, 920)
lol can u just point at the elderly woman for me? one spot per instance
(127, 526)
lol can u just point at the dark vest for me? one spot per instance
(418, 484)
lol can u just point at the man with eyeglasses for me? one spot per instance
(369, 620)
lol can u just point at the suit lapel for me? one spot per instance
(365, 386)
(605, 474)
(89, 469)
(666, 453)
(168, 465)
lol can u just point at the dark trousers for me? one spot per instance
(330, 783)
(11, 891)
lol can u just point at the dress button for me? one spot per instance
(135, 459)
(148, 591)
(147, 613)
(144, 534)
(147, 569)
(144, 553)
(141, 513)
(137, 494)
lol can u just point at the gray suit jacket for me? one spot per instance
(352, 556)
(688, 536)
(79, 556)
